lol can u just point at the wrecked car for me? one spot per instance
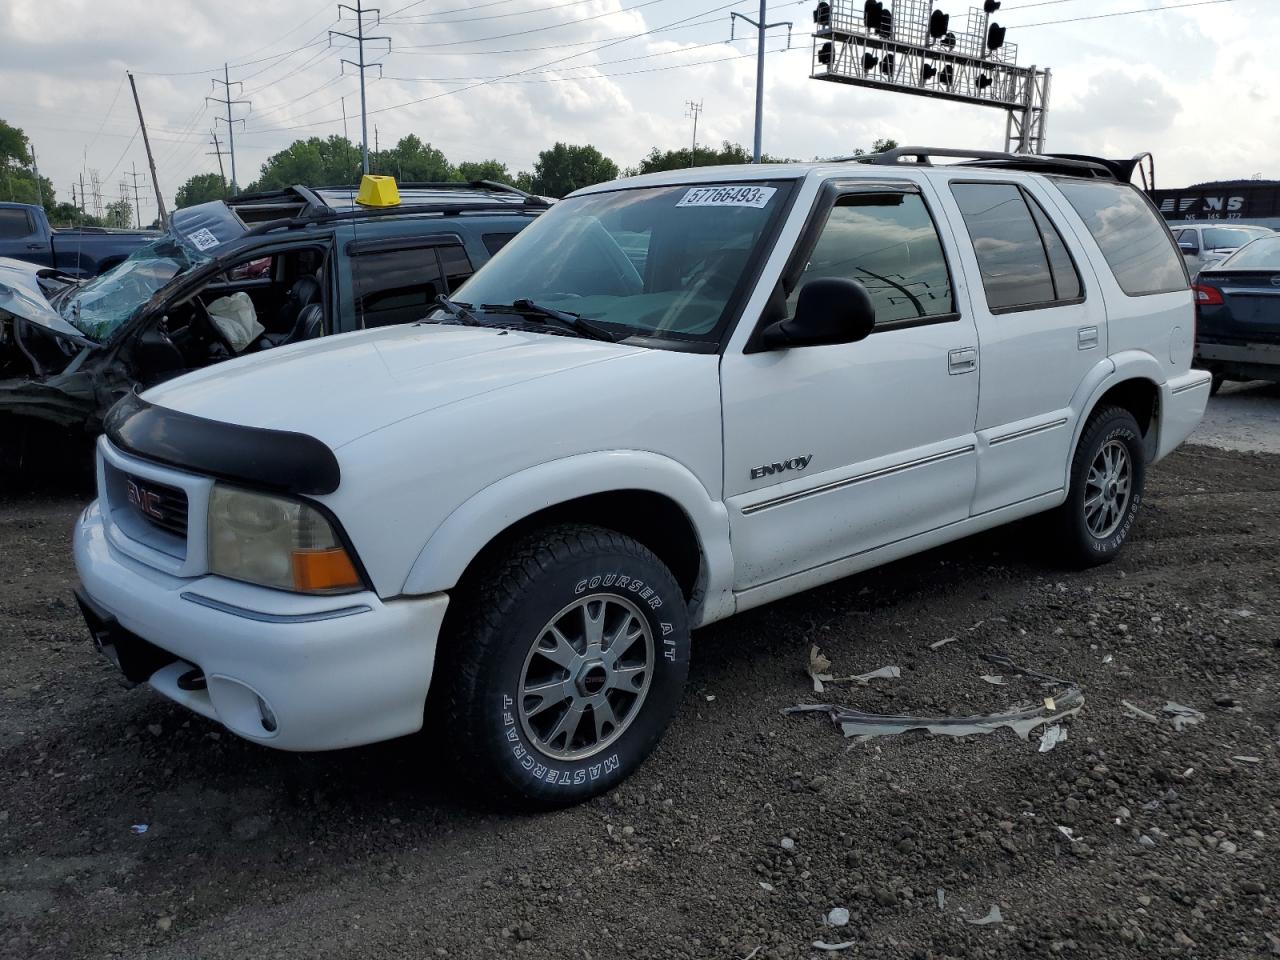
(228, 280)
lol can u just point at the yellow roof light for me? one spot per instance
(378, 191)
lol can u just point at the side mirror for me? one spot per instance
(829, 310)
(1186, 246)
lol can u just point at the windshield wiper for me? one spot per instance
(461, 312)
(578, 324)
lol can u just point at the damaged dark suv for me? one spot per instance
(229, 279)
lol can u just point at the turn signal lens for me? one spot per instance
(323, 571)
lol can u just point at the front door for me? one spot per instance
(832, 451)
(1043, 327)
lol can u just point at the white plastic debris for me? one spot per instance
(1069, 834)
(838, 917)
(820, 672)
(993, 916)
(1182, 716)
(787, 844)
(139, 828)
(710, 697)
(823, 945)
(766, 887)
(942, 898)
(1108, 658)
(1053, 735)
(1137, 713)
(993, 679)
(938, 644)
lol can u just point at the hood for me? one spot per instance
(342, 387)
(20, 294)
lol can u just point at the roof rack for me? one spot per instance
(300, 202)
(366, 213)
(1038, 163)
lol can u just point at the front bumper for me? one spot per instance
(324, 672)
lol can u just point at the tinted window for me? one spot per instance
(1133, 240)
(14, 223)
(888, 243)
(493, 242)
(1261, 254)
(1066, 280)
(456, 266)
(1224, 238)
(1011, 256)
(395, 286)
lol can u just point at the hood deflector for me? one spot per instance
(265, 459)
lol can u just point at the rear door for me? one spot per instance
(832, 451)
(396, 280)
(1042, 327)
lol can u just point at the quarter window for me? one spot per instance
(889, 244)
(1013, 257)
(1134, 241)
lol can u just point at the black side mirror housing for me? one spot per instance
(829, 310)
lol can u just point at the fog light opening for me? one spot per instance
(267, 716)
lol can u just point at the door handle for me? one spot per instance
(1086, 338)
(962, 360)
(35, 246)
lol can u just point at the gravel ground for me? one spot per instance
(1243, 416)
(746, 827)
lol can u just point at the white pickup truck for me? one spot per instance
(670, 399)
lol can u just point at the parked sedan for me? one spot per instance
(1238, 314)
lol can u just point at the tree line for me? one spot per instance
(18, 183)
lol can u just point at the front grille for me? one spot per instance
(159, 504)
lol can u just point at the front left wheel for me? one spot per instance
(565, 661)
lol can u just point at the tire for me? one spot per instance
(514, 745)
(1090, 535)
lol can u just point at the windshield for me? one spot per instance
(99, 307)
(1262, 254)
(658, 262)
(1226, 238)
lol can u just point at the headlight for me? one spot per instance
(276, 542)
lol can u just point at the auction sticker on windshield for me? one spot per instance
(727, 196)
(203, 239)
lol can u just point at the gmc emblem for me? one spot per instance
(148, 501)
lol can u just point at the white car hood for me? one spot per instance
(21, 295)
(342, 387)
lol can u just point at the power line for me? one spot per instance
(542, 29)
(487, 16)
(1122, 13)
(106, 116)
(246, 63)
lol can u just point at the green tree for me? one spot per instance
(879, 146)
(17, 173)
(119, 214)
(410, 160)
(201, 188)
(565, 168)
(470, 170)
(314, 162)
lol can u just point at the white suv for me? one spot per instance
(670, 399)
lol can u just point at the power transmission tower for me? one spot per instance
(95, 191)
(361, 38)
(227, 101)
(137, 201)
(761, 26)
(218, 152)
(692, 109)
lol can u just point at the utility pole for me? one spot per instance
(35, 168)
(137, 202)
(83, 212)
(231, 122)
(692, 109)
(219, 153)
(151, 160)
(761, 26)
(361, 38)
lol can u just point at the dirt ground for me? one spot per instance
(367, 853)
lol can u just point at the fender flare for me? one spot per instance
(1126, 365)
(486, 514)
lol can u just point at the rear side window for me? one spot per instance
(493, 242)
(395, 286)
(889, 244)
(1132, 237)
(1021, 255)
(14, 224)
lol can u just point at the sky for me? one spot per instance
(504, 79)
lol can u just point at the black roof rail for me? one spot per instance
(365, 213)
(1038, 163)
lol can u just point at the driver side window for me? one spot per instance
(889, 244)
